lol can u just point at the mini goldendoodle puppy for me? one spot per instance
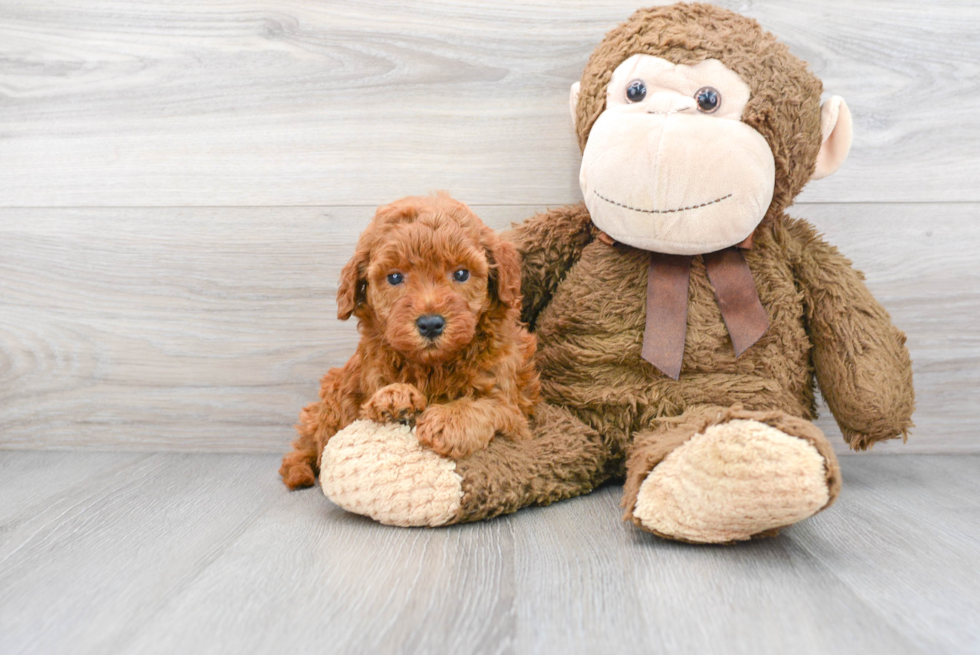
(437, 295)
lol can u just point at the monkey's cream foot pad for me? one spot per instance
(381, 471)
(733, 481)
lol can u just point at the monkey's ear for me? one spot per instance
(352, 289)
(573, 103)
(837, 129)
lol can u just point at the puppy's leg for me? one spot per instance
(462, 427)
(318, 422)
(300, 467)
(397, 402)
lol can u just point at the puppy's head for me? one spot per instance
(426, 272)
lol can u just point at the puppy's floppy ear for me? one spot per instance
(353, 283)
(505, 269)
(352, 290)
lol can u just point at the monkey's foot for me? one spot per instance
(381, 471)
(732, 482)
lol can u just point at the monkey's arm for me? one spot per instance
(550, 243)
(861, 361)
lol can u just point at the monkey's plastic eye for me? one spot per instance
(462, 275)
(636, 91)
(708, 99)
(394, 279)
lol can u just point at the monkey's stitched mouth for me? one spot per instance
(661, 211)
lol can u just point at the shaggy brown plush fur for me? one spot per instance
(610, 414)
(473, 381)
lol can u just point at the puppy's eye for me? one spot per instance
(462, 275)
(394, 279)
(636, 91)
(708, 100)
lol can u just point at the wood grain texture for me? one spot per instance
(181, 183)
(131, 535)
(226, 103)
(207, 329)
(209, 553)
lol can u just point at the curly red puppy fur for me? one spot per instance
(437, 295)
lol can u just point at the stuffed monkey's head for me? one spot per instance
(696, 125)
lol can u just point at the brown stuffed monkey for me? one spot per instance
(682, 317)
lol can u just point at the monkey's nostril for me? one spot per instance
(431, 325)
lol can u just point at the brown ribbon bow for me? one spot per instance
(668, 277)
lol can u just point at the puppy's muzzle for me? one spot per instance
(431, 325)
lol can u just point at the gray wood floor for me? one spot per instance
(207, 553)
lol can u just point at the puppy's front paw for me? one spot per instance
(395, 403)
(450, 434)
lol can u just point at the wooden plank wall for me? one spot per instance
(181, 182)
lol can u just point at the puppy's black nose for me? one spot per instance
(431, 325)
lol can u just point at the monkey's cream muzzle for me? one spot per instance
(662, 177)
